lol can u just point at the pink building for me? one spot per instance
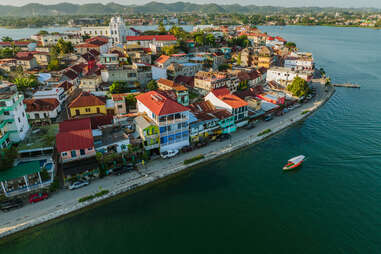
(75, 140)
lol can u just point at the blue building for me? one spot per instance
(171, 118)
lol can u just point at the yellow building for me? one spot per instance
(265, 57)
(86, 105)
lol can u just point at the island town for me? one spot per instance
(91, 113)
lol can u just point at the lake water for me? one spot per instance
(244, 203)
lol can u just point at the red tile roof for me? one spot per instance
(70, 74)
(75, 125)
(46, 104)
(162, 59)
(24, 56)
(97, 121)
(74, 140)
(86, 100)
(224, 95)
(159, 104)
(171, 85)
(151, 38)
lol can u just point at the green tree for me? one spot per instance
(7, 157)
(42, 32)
(6, 39)
(152, 85)
(224, 67)
(210, 40)
(117, 87)
(298, 87)
(378, 23)
(130, 101)
(290, 45)
(24, 82)
(162, 29)
(169, 50)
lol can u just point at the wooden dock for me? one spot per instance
(347, 85)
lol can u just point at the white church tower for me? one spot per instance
(118, 30)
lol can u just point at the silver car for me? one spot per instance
(78, 184)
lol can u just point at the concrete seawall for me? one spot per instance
(154, 176)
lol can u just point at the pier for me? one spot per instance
(347, 85)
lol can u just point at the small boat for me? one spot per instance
(294, 162)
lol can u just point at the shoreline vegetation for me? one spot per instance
(104, 195)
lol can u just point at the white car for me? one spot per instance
(78, 184)
(169, 154)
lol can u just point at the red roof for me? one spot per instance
(86, 100)
(24, 56)
(74, 140)
(159, 104)
(46, 104)
(97, 39)
(151, 38)
(162, 59)
(280, 39)
(97, 121)
(224, 95)
(75, 125)
(74, 135)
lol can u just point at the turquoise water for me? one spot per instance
(244, 203)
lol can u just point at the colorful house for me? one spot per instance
(222, 98)
(75, 140)
(182, 95)
(13, 119)
(86, 105)
(171, 118)
(148, 132)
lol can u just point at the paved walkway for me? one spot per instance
(66, 201)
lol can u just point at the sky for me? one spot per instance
(285, 3)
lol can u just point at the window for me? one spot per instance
(19, 120)
(98, 110)
(6, 113)
(82, 152)
(73, 154)
(90, 149)
(87, 110)
(64, 154)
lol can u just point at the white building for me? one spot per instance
(52, 39)
(116, 30)
(300, 61)
(42, 109)
(13, 119)
(223, 99)
(284, 75)
(54, 92)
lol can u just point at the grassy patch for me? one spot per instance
(96, 195)
(264, 132)
(305, 112)
(196, 158)
(44, 136)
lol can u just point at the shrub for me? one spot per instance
(264, 132)
(96, 195)
(305, 112)
(55, 185)
(196, 158)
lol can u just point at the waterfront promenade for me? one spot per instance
(65, 201)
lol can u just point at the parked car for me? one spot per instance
(34, 198)
(78, 184)
(268, 118)
(11, 204)
(169, 154)
(223, 137)
(186, 149)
